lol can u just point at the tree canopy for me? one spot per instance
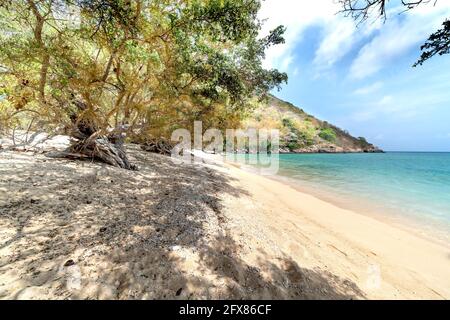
(147, 67)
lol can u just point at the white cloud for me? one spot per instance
(369, 89)
(396, 37)
(385, 106)
(339, 34)
(286, 62)
(401, 105)
(297, 16)
(338, 41)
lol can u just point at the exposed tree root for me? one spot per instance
(160, 146)
(102, 149)
(89, 142)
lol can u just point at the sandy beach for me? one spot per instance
(384, 261)
(83, 230)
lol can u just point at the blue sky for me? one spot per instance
(360, 78)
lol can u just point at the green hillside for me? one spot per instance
(301, 132)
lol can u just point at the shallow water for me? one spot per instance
(398, 184)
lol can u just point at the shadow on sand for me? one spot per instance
(73, 230)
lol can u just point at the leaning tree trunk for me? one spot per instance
(104, 149)
(89, 143)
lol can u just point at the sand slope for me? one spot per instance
(81, 230)
(383, 261)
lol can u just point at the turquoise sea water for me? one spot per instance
(398, 185)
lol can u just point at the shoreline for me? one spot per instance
(195, 231)
(416, 225)
(400, 253)
(419, 226)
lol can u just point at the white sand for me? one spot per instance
(78, 230)
(382, 260)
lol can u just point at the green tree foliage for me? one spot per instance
(363, 141)
(328, 134)
(303, 132)
(143, 67)
(437, 43)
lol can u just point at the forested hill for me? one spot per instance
(301, 132)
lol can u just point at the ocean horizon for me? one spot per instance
(411, 189)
